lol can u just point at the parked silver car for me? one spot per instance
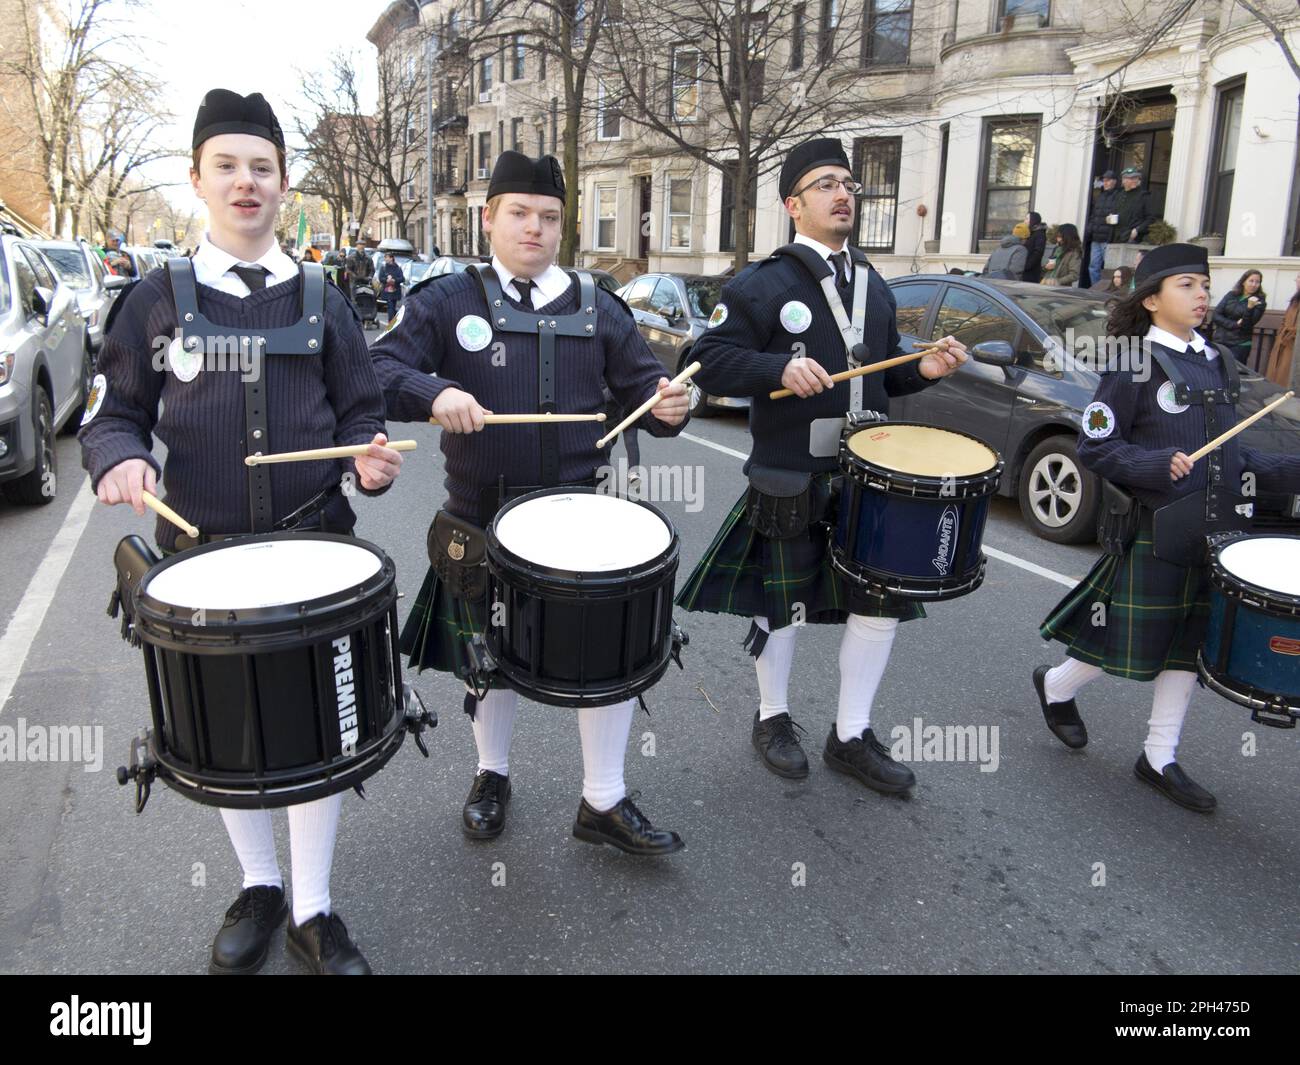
(45, 369)
(672, 312)
(78, 267)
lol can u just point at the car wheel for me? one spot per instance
(696, 398)
(73, 423)
(38, 487)
(1058, 497)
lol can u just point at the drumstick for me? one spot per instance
(685, 375)
(159, 507)
(348, 451)
(1200, 453)
(875, 367)
(537, 419)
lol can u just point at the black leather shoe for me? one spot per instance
(1177, 785)
(242, 943)
(626, 828)
(322, 944)
(484, 815)
(868, 759)
(1062, 718)
(777, 742)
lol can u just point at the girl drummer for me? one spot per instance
(1141, 612)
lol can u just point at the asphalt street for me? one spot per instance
(1053, 861)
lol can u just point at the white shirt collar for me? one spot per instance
(1167, 339)
(824, 250)
(549, 285)
(212, 267)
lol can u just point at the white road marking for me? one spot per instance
(30, 615)
(992, 552)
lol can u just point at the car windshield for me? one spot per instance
(704, 296)
(71, 265)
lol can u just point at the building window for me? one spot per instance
(876, 163)
(517, 70)
(541, 138)
(606, 216)
(541, 62)
(754, 60)
(678, 208)
(686, 84)
(830, 21)
(516, 133)
(484, 76)
(608, 116)
(1022, 14)
(727, 230)
(1223, 158)
(1007, 175)
(484, 154)
(797, 18)
(888, 36)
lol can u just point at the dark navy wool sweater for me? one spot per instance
(746, 352)
(312, 401)
(426, 353)
(1135, 437)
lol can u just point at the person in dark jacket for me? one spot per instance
(1135, 216)
(1100, 227)
(1062, 268)
(1141, 613)
(391, 279)
(1239, 312)
(1035, 245)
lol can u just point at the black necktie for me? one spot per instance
(252, 276)
(840, 260)
(525, 288)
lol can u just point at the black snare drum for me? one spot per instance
(273, 669)
(581, 596)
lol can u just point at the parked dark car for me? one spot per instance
(45, 369)
(1024, 389)
(672, 312)
(95, 288)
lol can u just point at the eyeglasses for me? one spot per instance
(830, 184)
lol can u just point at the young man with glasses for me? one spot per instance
(813, 308)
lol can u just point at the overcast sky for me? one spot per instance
(244, 45)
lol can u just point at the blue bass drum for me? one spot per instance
(912, 510)
(1252, 646)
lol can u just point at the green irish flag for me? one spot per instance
(302, 226)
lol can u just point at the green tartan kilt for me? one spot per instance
(1153, 614)
(439, 628)
(747, 574)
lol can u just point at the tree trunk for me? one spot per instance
(569, 241)
(740, 214)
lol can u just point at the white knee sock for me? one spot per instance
(773, 668)
(312, 828)
(1062, 683)
(864, 653)
(604, 731)
(494, 724)
(1173, 693)
(254, 842)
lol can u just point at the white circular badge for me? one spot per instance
(1098, 421)
(95, 399)
(473, 332)
(718, 316)
(1165, 397)
(796, 317)
(184, 362)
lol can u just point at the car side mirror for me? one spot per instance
(112, 282)
(994, 353)
(42, 300)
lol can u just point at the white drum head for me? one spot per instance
(583, 532)
(1271, 562)
(244, 576)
